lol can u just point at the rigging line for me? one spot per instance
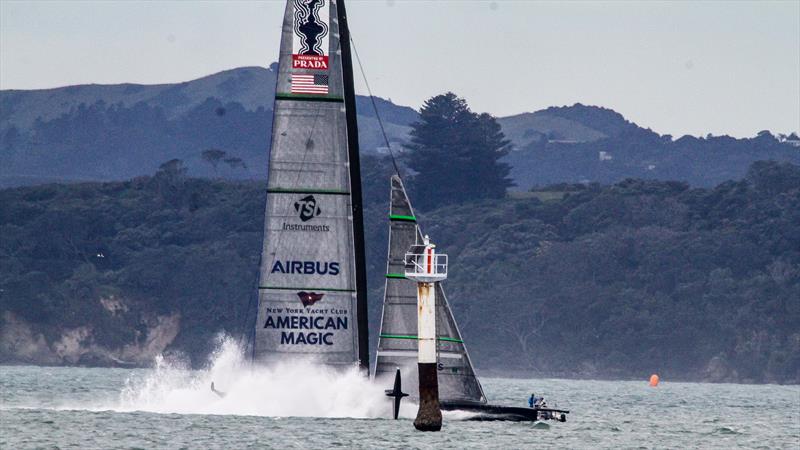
(375, 107)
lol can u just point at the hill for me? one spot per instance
(579, 280)
(115, 132)
(252, 87)
(566, 124)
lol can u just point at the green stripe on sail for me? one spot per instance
(284, 288)
(400, 336)
(309, 98)
(403, 218)
(395, 275)
(307, 191)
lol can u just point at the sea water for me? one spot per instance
(298, 406)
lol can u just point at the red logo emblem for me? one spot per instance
(309, 298)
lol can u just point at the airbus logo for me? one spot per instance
(306, 267)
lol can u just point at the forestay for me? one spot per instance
(397, 343)
(312, 286)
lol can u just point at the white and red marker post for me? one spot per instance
(426, 267)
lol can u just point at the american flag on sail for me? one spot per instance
(309, 84)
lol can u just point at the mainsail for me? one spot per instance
(312, 285)
(397, 343)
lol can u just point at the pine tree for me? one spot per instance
(456, 154)
(213, 156)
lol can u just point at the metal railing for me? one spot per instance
(425, 265)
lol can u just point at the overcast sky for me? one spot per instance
(676, 67)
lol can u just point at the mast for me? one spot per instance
(355, 187)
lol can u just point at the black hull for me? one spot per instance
(504, 413)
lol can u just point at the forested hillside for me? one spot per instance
(633, 152)
(570, 280)
(116, 132)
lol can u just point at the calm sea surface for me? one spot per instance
(166, 407)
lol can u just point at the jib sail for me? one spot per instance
(397, 343)
(312, 285)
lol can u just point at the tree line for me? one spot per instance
(586, 279)
(580, 280)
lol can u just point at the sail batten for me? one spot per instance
(397, 341)
(312, 283)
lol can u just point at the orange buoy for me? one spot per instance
(654, 380)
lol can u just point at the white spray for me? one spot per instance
(292, 389)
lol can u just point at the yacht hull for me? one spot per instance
(505, 413)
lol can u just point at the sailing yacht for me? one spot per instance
(397, 341)
(312, 301)
(459, 387)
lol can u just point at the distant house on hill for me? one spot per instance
(792, 139)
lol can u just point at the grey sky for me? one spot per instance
(676, 67)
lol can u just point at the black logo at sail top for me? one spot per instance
(307, 208)
(309, 298)
(309, 27)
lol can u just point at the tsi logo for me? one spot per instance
(307, 208)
